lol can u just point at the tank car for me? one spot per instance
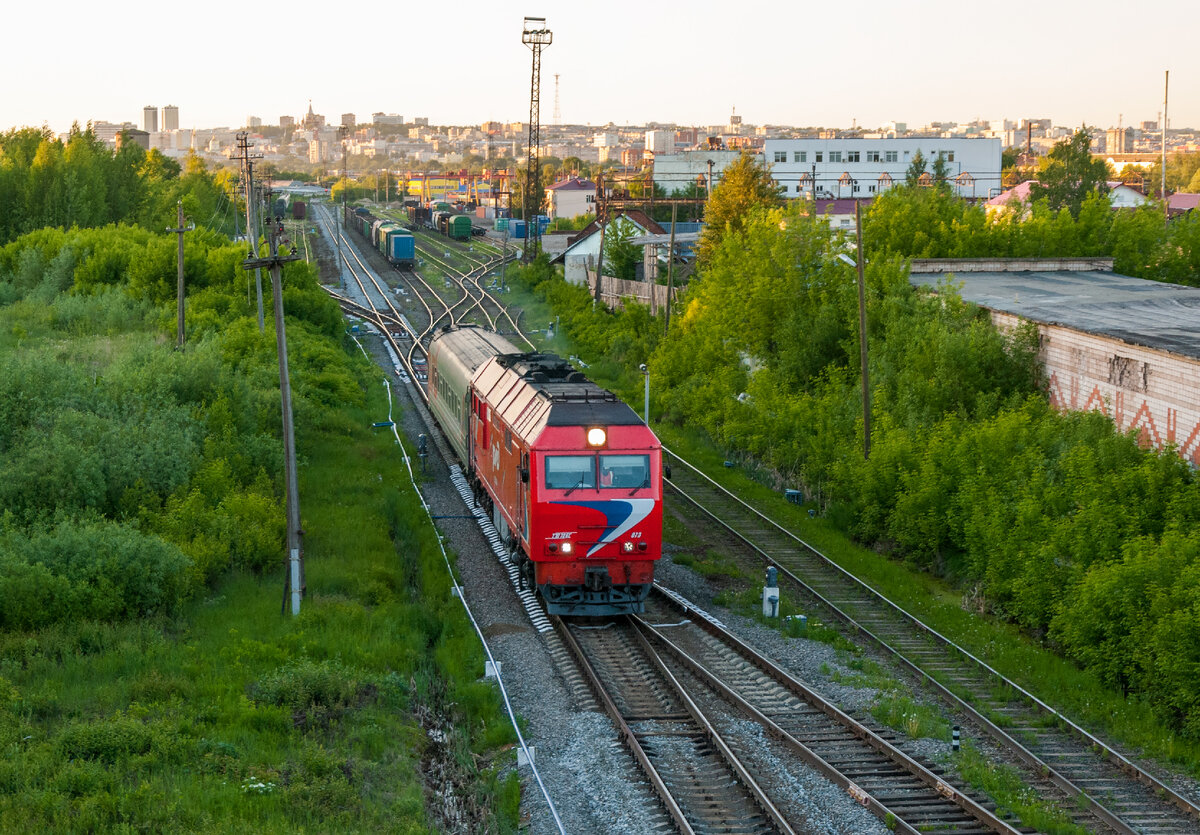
(570, 474)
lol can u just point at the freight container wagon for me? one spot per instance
(441, 221)
(381, 233)
(299, 210)
(401, 248)
(458, 227)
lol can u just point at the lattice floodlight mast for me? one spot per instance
(537, 37)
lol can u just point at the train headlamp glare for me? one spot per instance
(628, 547)
(567, 548)
(596, 436)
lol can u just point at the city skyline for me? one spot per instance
(634, 64)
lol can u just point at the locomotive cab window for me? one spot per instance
(567, 472)
(625, 471)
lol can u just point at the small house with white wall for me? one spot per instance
(570, 198)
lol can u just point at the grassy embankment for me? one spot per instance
(365, 713)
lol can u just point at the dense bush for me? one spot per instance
(916, 222)
(88, 571)
(317, 692)
(1056, 522)
(118, 427)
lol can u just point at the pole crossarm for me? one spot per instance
(270, 261)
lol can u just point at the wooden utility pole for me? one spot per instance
(247, 159)
(670, 266)
(294, 576)
(179, 230)
(862, 330)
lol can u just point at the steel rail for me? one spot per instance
(629, 737)
(797, 688)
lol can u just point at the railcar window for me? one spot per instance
(566, 472)
(625, 471)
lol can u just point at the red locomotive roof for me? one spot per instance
(531, 391)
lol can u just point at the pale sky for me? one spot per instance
(462, 61)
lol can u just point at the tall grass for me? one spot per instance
(231, 716)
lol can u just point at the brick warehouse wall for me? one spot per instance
(1153, 392)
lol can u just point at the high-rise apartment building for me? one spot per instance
(150, 118)
(170, 118)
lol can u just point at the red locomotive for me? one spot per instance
(571, 475)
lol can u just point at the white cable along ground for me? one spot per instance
(497, 546)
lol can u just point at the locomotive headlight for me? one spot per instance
(596, 436)
(628, 546)
(567, 548)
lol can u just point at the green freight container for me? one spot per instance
(459, 227)
(384, 229)
(501, 224)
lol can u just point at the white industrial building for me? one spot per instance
(675, 172)
(838, 168)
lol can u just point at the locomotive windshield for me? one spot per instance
(627, 471)
(569, 472)
(574, 472)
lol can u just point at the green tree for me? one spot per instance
(940, 169)
(1069, 173)
(745, 184)
(621, 255)
(916, 168)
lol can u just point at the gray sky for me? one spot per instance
(462, 62)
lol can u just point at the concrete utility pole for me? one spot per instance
(1166, 87)
(294, 582)
(179, 230)
(247, 159)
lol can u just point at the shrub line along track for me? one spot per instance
(1134, 802)
(718, 755)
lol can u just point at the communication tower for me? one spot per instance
(557, 109)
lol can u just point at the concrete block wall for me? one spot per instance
(1154, 392)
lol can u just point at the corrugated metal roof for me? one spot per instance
(1153, 314)
(573, 184)
(1182, 201)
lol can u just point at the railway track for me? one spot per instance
(701, 782)
(1103, 784)
(677, 672)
